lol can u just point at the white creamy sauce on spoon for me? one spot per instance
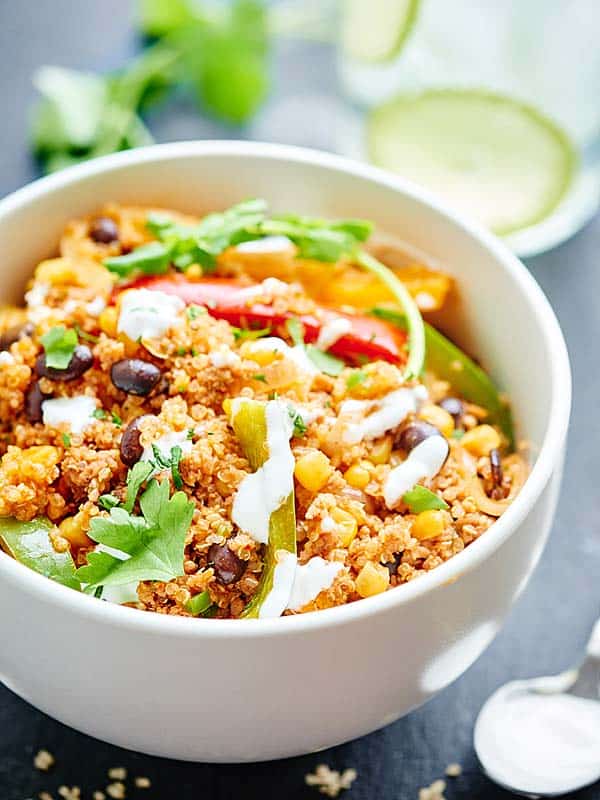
(539, 741)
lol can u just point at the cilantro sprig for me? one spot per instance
(151, 546)
(419, 499)
(59, 344)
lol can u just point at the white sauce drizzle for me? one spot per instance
(276, 601)
(308, 415)
(539, 742)
(148, 314)
(224, 358)
(262, 492)
(311, 579)
(73, 411)
(165, 444)
(386, 413)
(425, 461)
(332, 331)
(297, 354)
(6, 358)
(269, 244)
(96, 306)
(36, 302)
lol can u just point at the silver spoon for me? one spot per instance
(495, 746)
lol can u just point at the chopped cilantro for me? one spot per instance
(458, 433)
(136, 477)
(116, 419)
(298, 421)
(260, 377)
(193, 312)
(153, 542)
(181, 351)
(191, 433)
(243, 334)
(59, 345)
(99, 413)
(152, 259)
(108, 501)
(420, 499)
(175, 459)
(356, 377)
(66, 440)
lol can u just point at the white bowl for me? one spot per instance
(247, 690)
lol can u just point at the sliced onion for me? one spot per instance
(516, 468)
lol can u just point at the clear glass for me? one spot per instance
(545, 53)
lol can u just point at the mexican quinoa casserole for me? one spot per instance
(241, 415)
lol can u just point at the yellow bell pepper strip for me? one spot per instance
(29, 543)
(450, 363)
(249, 421)
(413, 324)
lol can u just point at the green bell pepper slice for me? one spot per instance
(30, 544)
(250, 425)
(451, 364)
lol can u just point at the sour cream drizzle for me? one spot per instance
(332, 331)
(148, 314)
(276, 601)
(73, 411)
(262, 492)
(294, 585)
(386, 413)
(425, 461)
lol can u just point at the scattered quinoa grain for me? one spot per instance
(98, 796)
(117, 773)
(453, 770)
(69, 793)
(116, 790)
(433, 792)
(142, 782)
(329, 781)
(45, 796)
(43, 760)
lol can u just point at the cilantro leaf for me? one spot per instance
(325, 362)
(152, 546)
(175, 474)
(356, 377)
(319, 239)
(419, 499)
(298, 421)
(152, 259)
(136, 477)
(59, 344)
(243, 334)
(99, 413)
(66, 440)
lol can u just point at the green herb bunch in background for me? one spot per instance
(218, 52)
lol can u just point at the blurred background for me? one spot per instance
(493, 105)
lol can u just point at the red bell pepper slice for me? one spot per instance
(369, 339)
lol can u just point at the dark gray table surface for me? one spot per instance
(550, 623)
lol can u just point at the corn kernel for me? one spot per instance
(312, 470)
(372, 579)
(357, 476)
(108, 321)
(256, 352)
(70, 529)
(480, 440)
(346, 526)
(227, 407)
(381, 450)
(57, 272)
(194, 271)
(438, 417)
(429, 524)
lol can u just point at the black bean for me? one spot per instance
(496, 467)
(131, 449)
(393, 565)
(227, 566)
(81, 360)
(15, 333)
(413, 433)
(455, 408)
(104, 230)
(135, 376)
(33, 403)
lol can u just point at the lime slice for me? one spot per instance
(375, 30)
(487, 155)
